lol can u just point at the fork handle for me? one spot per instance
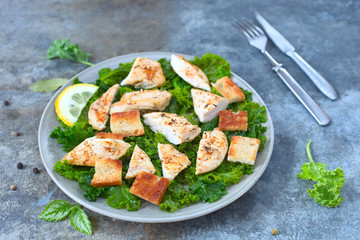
(321, 117)
(321, 83)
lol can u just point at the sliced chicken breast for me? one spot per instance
(207, 105)
(148, 100)
(91, 149)
(99, 111)
(212, 151)
(172, 161)
(190, 73)
(140, 161)
(145, 73)
(175, 128)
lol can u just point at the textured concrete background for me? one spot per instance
(326, 33)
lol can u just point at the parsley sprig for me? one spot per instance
(59, 209)
(62, 48)
(326, 191)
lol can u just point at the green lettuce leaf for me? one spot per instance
(56, 210)
(91, 193)
(71, 172)
(62, 48)
(214, 66)
(326, 191)
(79, 220)
(208, 192)
(120, 197)
(177, 197)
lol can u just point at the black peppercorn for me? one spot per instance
(19, 165)
(36, 170)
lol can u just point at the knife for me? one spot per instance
(280, 41)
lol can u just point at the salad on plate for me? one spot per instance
(173, 132)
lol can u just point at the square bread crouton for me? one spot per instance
(243, 149)
(150, 187)
(107, 135)
(230, 121)
(107, 172)
(127, 124)
(229, 90)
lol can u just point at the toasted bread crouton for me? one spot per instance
(230, 121)
(91, 149)
(127, 124)
(243, 149)
(150, 187)
(229, 90)
(139, 162)
(103, 135)
(107, 172)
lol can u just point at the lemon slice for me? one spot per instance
(72, 100)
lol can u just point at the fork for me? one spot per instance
(257, 39)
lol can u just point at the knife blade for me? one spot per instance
(285, 46)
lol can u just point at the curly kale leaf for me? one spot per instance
(120, 197)
(62, 48)
(71, 172)
(214, 66)
(177, 197)
(207, 191)
(110, 77)
(91, 193)
(326, 191)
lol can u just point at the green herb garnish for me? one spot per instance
(326, 191)
(59, 209)
(62, 48)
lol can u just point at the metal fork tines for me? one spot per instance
(258, 39)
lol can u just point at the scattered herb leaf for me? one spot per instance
(62, 48)
(326, 191)
(48, 85)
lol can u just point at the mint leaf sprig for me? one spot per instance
(326, 191)
(59, 209)
(62, 48)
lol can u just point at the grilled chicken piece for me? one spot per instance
(91, 149)
(99, 111)
(190, 73)
(207, 105)
(212, 151)
(145, 73)
(139, 162)
(176, 129)
(153, 100)
(229, 90)
(172, 161)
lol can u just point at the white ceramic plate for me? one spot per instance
(51, 152)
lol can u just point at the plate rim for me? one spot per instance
(206, 211)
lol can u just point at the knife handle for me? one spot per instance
(321, 83)
(321, 117)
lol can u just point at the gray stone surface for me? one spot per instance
(326, 33)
